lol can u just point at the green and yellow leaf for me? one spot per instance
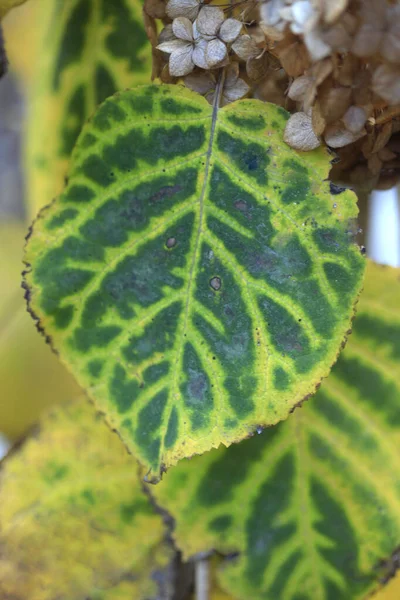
(74, 520)
(195, 275)
(311, 506)
(31, 377)
(89, 50)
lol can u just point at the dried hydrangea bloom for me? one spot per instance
(271, 14)
(337, 135)
(234, 87)
(217, 32)
(206, 83)
(379, 31)
(183, 8)
(386, 83)
(245, 47)
(186, 50)
(299, 133)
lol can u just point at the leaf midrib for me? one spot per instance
(180, 339)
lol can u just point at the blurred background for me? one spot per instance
(31, 378)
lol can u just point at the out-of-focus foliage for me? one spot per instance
(31, 377)
(88, 51)
(23, 30)
(6, 5)
(312, 506)
(74, 520)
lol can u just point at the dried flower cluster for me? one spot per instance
(335, 64)
(200, 39)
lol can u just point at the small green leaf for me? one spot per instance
(89, 50)
(196, 275)
(312, 506)
(74, 520)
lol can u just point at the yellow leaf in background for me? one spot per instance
(31, 377)
(87, 52)
(391, 591)
(6, 5)
(74, 521)
(23, 24)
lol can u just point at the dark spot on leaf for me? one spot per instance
(241, 205)
(165, 192)
(215, 283)
(171, 242)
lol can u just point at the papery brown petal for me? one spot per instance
(337, 38)
(183, 8)
(346, 70)
(309, 97)
(215, 52)
(166, 34)
(302, 14)
(390, 46)
(210, 20)
(383, 135)
(232, 74)
(332, 9)
(257, 68)
(166, 76)
(299, 87)
(316, 46)
(362, 87)
(336, 135)
(321, 70)
(180, 62)
(240, 89)
(173, 46)
(230, 30)
(210, 97)
(199, 54)
(159, 62)
(334, 101)
(385, 154)
(294, 59)
(386, 83)
(245, 47)
(299, 133)
(270, 12)
(374, 164)
(201, 82)
(271, 33)
(183, 28)
(367, 40)
(317, 120)
(354, 118)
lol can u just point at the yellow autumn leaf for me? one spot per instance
(24, 23)
(6, 5)
(391, 591)
(74, 520)
(31, 377)
(87, 52)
